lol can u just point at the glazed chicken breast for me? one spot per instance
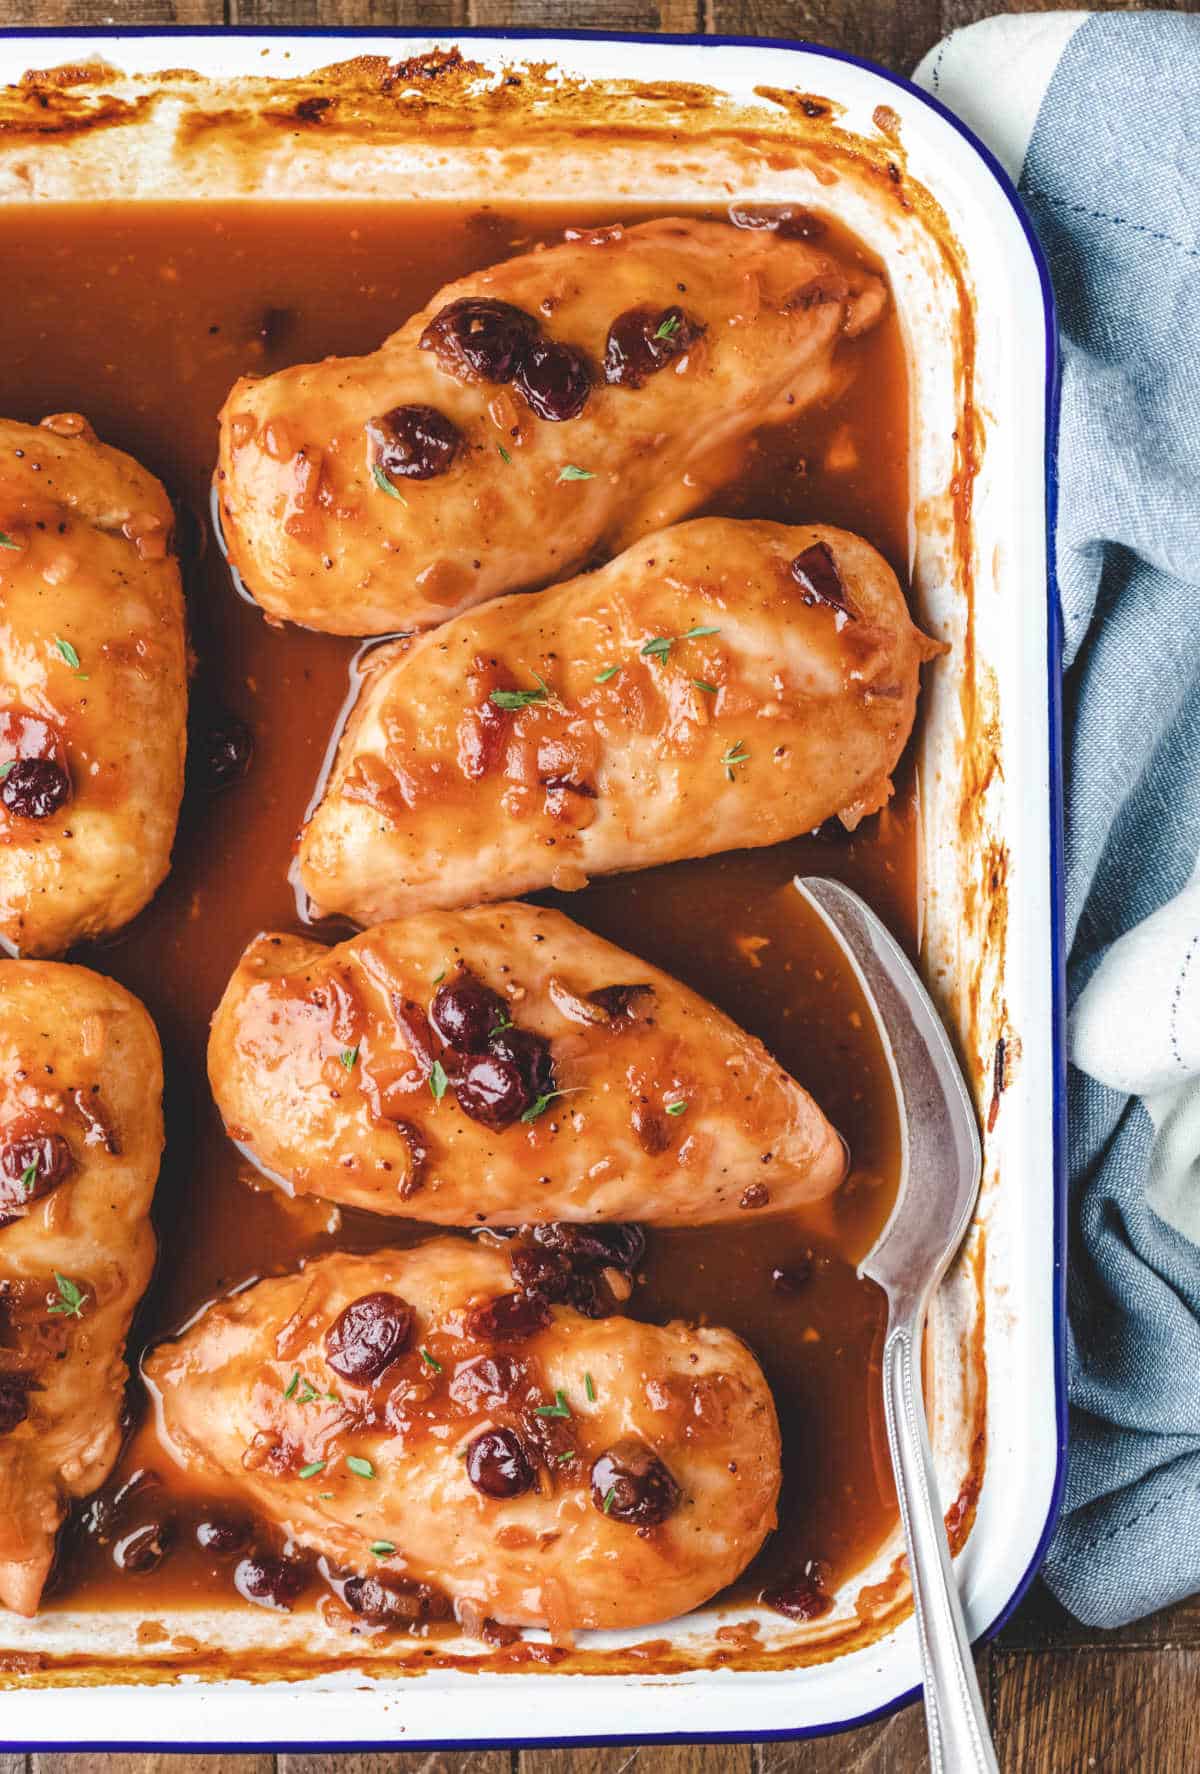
(80, 1137)
(522, 420)
(501, 1066)
(430, 1428)
(93, 686)
(720, 685)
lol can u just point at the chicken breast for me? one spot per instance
(538, 1467)
(500, 1066)
(93, 686)
(80, 1137)
(722, 684)
(503, 434)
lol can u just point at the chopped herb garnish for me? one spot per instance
(384, 484)
(438, 1080)
(439, 977)
(70, 1301)
(5, 768)
(29, 1176)
(609, 671)
(293, 1383)
(349, 1057)
(589, 1388)
(694, 634)
(382, 1548)
(324, 1496)
(504, 455)
(70, 655)
(661, 645)
(428, 1359)
(735, 755)
(7, 542)
(310, 1394)
(543, 1103)
(504, 1023)
(609, 1494)
(563, 1458)
(676, 1108)
(510, 699)
(667, 327)
(311, 1470)
(560, 1407)
(359, 1467)
(569, 472)
(709, 689)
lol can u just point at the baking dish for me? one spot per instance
(776, 122)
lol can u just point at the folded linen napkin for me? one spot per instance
(1095, 116)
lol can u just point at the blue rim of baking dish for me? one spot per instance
(697, 40)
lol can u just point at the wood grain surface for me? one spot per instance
(1063, 1699)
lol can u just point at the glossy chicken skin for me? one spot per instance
(80, 1138)
(526, 1540)
(380, 1074)
(93, 686)
(735, 325)
(695, 695)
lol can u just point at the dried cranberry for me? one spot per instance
(368, 1336)
(393, 1603)
(621, 1001)
(225, 750)
(619, 1246)
(492, 1090)
(14, 1400)
(416, 443)
(144, 1549)
(530, 1054)
(631, 1484)
(223, 1535)
(591, 1295)
(509, 1318)
(465, 1011)
(34, 788)
(800, 1598)
(816, 573)
(778, 218)
(555, 380)
(488, 1381)
(643, 341)
(498, 1465)
(270, 1581)
(544, 1272)
(480, 339)
(46, 1155)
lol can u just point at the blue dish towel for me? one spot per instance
(1109, 169)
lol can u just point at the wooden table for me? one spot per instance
(1062, 1699)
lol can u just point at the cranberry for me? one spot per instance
(544, 1272)
(465, 1011)
(223, 1535)
(591, 1295)
(34, 788)
(618, 1246)
(631, 1484)
(555, 380)
(479, 339)
(225, 749)
(498, 1465)
(643, 341)
(778, 218)
(486, 1382)
(14, 1400)
(270, 1581)
(800, 1598)
(492, 1090)
(393, 1603)
(816, 573)
(143, 1550)
(365, 1339)
(621, 1001)
(509, 1318)
(530, 1054)
(47, 1155)
(415, 443)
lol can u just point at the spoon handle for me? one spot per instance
(959, 1739)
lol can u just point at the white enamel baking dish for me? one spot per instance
(989, 783)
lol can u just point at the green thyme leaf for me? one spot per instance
(734, 755)
(563, 1458)
(292, 1384)
(439, 977)
(430, 1363)
(694, 634)
(7, 542)
(560, 1407)
(349, 1057)
(542, 1104)
(70, 1301)
(311, 1470)
(709, 689)
(359, 1467)
(510, 699)
(609, 1494)
(676, 1108)
(667, 327)
(589, 1388)
(29, 1176)
(504, 1023)
(658, 648)
(438, 1080)
(5, 768)
(504, 455)
(382, 1548)
(70, 655)
(609, 671)
(384, 484)
(569, 472)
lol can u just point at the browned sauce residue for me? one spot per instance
(141, 317)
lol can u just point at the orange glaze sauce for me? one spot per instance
(141, 318)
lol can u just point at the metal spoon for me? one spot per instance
(939, 1180)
